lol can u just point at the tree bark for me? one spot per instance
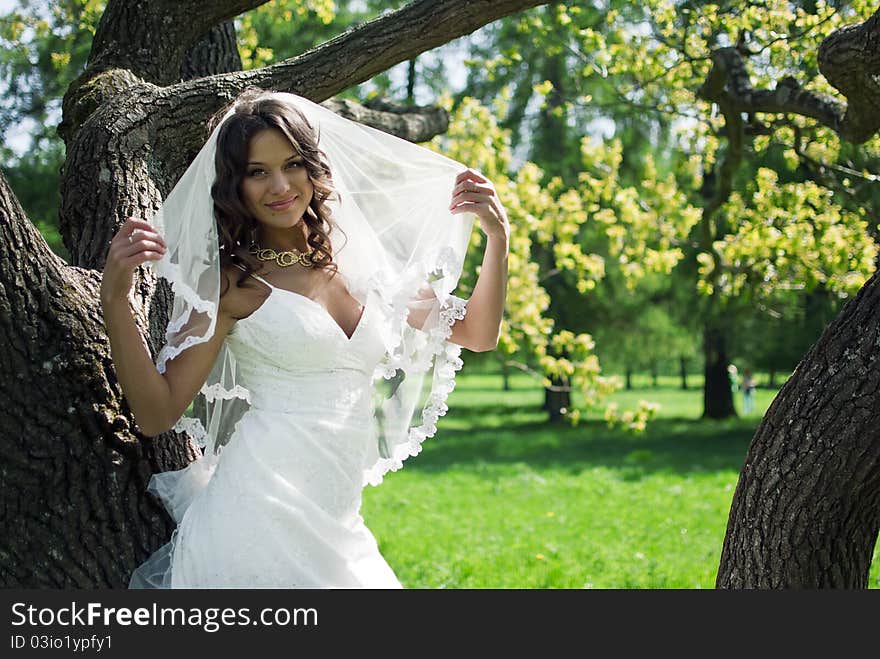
(152, 38)
(806, 510)
(682, 369)
(74, 470)
(216, 52)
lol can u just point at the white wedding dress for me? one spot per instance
(282, 507)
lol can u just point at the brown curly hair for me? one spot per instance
(256, 110)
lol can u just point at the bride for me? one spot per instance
(312, 261)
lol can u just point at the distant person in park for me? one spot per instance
(733, 375)
(308, 384)
(748, 391)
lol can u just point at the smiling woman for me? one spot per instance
(271, 192)
(277, 188)
(278, 195)
(312, 385)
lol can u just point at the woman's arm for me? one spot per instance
(156, 400)
(479, 329)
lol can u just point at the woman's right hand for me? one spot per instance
(135, 243)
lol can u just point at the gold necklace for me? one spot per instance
(283, 259)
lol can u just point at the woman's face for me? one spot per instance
(276, 187)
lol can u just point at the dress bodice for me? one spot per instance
(290, 353)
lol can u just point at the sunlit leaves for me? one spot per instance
(643, 224)
(792, 236)
(640, 227)
(266, 33)
(43, 47)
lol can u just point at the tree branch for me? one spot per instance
(363, 52)
(409, 122)
(728, 82)
(353, 57)
(849, 58)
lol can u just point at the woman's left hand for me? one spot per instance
(474, 193)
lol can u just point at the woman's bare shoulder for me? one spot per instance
(238, 300)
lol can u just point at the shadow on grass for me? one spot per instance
(676, 445)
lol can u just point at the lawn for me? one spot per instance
(498, 499)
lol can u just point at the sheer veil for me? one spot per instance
(401, 244)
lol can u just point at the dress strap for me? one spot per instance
(258, 278)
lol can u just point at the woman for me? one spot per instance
(309, 352)
(748, 389)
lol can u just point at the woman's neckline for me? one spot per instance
(320, 306)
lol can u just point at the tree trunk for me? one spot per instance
(806, 510)
(557, 398)
(654, 373)
(74, 471)
(717, 392)
(682, 364)
(628, 376)
(505, 375)
(216, 52)
(411, 82)
(772, 381)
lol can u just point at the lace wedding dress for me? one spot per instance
(281, 506)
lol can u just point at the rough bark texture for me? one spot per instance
(152, 38)
(216, 52)
(73, 512)
(806, 511)
(850, 60)
(413, 123)
(75, 508)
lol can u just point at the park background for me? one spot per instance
(653, 245)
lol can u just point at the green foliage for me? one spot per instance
(804, 212)
(537, 214)
(791, 236)
(773, 234)
(547, 217)
(776, 339)
(43, 47)
(283, 28)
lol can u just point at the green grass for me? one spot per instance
(500, 499)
